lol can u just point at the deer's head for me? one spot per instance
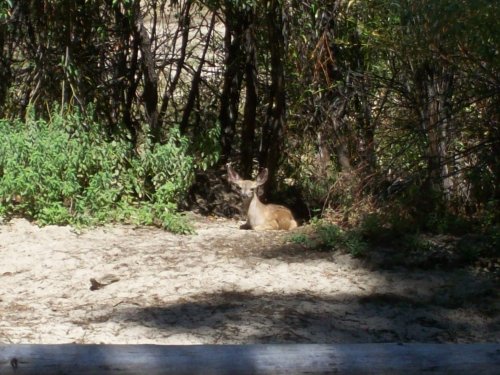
(247, 187)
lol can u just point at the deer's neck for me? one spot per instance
(255, 208)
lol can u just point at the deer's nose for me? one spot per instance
(248, 193)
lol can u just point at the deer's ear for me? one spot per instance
(262, 177)
(232, 176)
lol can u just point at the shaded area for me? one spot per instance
(245, 317)
(388, 250)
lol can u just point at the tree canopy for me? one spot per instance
(351, 104)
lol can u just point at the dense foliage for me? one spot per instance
(384, 108)
(63, 170)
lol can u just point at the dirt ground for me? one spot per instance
(222, 285)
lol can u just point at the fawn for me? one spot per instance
(260, 216)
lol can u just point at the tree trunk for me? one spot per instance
(184, 25)
(5, 73)
(125, 77)
(340, 138)
(272, 133)
(150, 94)
(248, 130)
(366, 125)
(195, 83)
(233, 75)
(435, 91)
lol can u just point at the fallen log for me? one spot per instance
(251, 359)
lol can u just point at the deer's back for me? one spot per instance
(281, 215)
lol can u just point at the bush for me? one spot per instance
(63, 170)
(329, 237)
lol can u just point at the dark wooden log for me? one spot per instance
(251, 359)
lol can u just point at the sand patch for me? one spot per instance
(222, 285)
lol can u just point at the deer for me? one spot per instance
(260, 216)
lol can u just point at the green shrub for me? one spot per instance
(206, 146)
(355, 244)
(372, 227)
(329, 237)
(300, 239)
(63, 170)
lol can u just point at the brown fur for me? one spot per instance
(261, 216)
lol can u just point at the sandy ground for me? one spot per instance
(222, 285)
